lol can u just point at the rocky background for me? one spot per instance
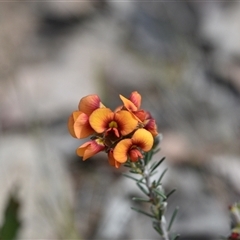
(183, 57)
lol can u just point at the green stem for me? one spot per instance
(161, 222)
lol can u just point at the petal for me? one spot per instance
(126, 122)
(128, 104)
(118, 108)
(112, 132)
(120, 152)
(82, 127)
(89, 149)
(141, 115)
(75, 115)
(90, 103)
(136, 98)
(100, 119)
(112, 161)
(71, 121)
(151, 126)
(143, 139)
(135, 155)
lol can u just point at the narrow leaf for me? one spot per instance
(170, 193)
(140, 199)
(128, 176)
(156, 151)
(153, 173)
(172, 218)
(148, 157)
(142, 188)
(160, 178)
(140, 211)
(157, 229)
(160, 193)
(133, 171)
(141, 180)
(175, 237)
(154, 166)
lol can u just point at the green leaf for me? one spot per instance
(170, 193)
(140, 211)
(160, 194)
(148, 157)
(175, 237)
(157, 229)
(140, 199)
(172, 218)
(128, 176)
(161, 176)
(11, 223)
(134, 171)
(156, 151)
(141, 180)
(127, 165)
(153, 173)
(155, 165)
(142, 189)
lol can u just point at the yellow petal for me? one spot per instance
(128, 104)
(143, 139)
(90, 103)
(126, 122)
(120, 152)
(136, 98)
(100, 119)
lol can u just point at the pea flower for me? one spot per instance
(121, 122)
(133, 105)
(78, 124)
(90, 148)
(141, 140)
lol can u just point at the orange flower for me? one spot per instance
(133, 103)
(78, 125)
(104, 120)
(90, 148)
(142, 140)
(78, 122)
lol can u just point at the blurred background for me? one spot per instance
(183, 57)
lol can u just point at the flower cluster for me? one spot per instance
(124, 134)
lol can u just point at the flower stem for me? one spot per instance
(162, 221)
(153, 191)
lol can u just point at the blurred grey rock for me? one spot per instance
(36, 170)
(18, 24)
(218, 30)
(201, 213)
